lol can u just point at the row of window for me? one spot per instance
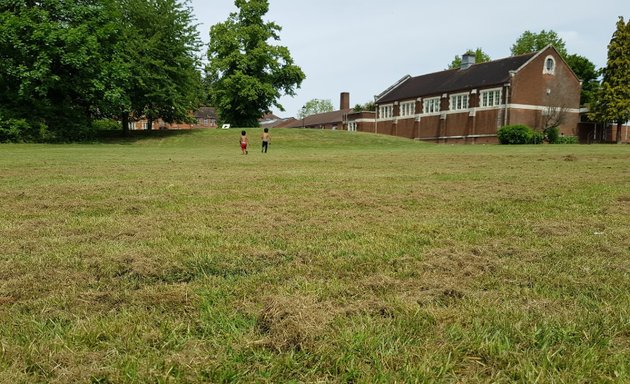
(458, 102)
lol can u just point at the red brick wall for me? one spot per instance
(530, 86)
(429, 127)
(488, 121)
(405, 128)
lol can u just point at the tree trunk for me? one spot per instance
(125, 123)
(149, 122)
(619, 131)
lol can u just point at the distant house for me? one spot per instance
(469, 104)
(328, 120)
(205, 118)
(272, 121)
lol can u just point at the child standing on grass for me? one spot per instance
(266, 139)
(244, 142)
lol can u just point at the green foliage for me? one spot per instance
(64, 63)
(534, 42)
(160, 50)
(588, 74)
(106, 125)
(537, 137)
(51, 60)
(369, 106)
(567, 140)
(517, 134)
(480, 57)
(246, 74)
(613, 98)
(21, 130)
(552, 134)
(315, 106)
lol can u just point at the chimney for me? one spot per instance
(468, 59)
(344, 102)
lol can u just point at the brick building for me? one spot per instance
(205, 117)
(328, 120)
(470, 103)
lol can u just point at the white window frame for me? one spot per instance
(459, 102)
(352, 126)
(490, 97)
(552, 70)
(407, 108)
(386, 111)
(431, 105)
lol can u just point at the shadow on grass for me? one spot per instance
(131, 137)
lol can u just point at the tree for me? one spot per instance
(369, 106)
(50, 63)
(480, 57)
(247, 75)
(65, 63)
(158, 46)
(315, 106)
(534, 42)
(586, 72)
(613, 99)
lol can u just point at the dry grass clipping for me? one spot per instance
(292, 322)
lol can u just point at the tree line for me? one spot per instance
(66, 64)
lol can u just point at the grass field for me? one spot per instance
(335, 257)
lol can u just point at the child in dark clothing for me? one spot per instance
(266, 139)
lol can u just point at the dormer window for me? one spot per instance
(550, 66)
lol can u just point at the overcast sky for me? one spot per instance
(364, 46)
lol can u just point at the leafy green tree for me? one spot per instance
(613, 98)
(369, 106)
(480, 57)
(65, 63)
(247, 75)
(534, 42)
(585, 71)
(50, 60)
(159, 51)
(315, 106)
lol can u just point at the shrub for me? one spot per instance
(515, 134)
(567, 140)
(537, 138)
(106, 125)
(552, 134)
(21, 130)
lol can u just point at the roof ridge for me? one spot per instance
(476, 64)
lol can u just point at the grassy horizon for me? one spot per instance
(335, 257)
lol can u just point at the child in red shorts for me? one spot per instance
(244, 142)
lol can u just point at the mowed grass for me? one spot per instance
(335, 257)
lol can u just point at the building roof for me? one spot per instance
(326, 118)
(279, 122)
(479, 75)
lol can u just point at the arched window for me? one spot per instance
(550, 66)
